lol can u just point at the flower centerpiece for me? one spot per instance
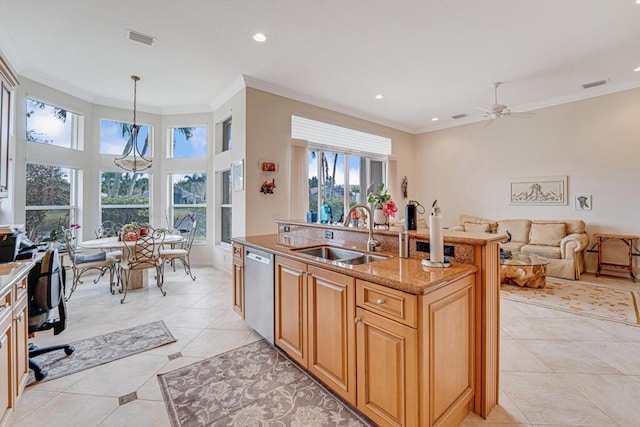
(384, 206)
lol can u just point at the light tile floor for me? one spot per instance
(557, 368)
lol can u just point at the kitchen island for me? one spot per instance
(403, 343)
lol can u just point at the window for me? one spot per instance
(51, 200)
(225, 208)
(189, 202)
(52, 125)
(226, 135)
(115, 136)
(124, 197)
(344, 179)
(188, 142)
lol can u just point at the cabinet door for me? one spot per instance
(291, 308)
(20, 335)
(238, 287)
(6, 386)
(387, 370)
(332, 347)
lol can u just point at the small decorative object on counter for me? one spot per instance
(384, 207)
(436, 240)
(403, 244)
(268, 187)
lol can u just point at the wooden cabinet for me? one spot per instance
(447, 370)
(6, 374)
(291, 308)
(8, 82)
(314, 322)
(21, 336)
(238, 279)
(331, 330)
(387, 354)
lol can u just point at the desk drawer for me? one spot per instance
(388, 302)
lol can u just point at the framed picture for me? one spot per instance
(267, 166)
(582, 202)
(237, 175)
(538, 190)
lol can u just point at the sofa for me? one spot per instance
(562, 242)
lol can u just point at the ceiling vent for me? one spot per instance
(594, 84)
(141, 38)
(459, 116)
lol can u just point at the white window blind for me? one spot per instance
(327, 135)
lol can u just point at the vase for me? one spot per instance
(380, 220)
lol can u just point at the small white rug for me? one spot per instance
(587, 299)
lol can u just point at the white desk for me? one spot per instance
(139, 278)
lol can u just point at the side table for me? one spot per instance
(628, 239)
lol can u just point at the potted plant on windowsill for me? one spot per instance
(384, 206)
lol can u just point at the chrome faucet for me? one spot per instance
(372, 243)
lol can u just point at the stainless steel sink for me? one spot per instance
(363, 259)
(329, 252)
(340, 255)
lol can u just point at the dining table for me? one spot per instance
(138, 278)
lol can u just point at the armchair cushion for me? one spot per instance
(547, 234)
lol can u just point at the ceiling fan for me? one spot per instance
(497, 110)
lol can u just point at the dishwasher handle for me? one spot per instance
(256, 257)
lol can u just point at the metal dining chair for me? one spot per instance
(80, 264)
(140, 254)
(180, 251)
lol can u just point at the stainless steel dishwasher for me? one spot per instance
(259, 292)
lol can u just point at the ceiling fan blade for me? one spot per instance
(485, 109)
(488, 122)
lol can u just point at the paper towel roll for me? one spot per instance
(436, 239)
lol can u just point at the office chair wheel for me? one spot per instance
(68, 350)
(40, 375)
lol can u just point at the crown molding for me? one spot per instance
(236, 86)
(274, 89)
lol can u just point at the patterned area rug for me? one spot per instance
(577, 297)
(254, 385)
(92, 352)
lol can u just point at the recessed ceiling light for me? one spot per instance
(637, 69)
(259, 37)
(379, 96)
(434, 119)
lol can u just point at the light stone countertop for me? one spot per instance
(12, 271)
(404, 274)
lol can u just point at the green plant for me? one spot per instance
(52, 237)
(378, 197)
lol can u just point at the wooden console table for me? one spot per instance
(628, 240)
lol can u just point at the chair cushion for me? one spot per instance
(173, 253)
(512, 246)
(551, 252)
(81, 259)
(518, 228)
(477, 228)
(547, 234)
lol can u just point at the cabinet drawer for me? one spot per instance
(238, 252)
(21, 288)
(5, 305)
(391, 303)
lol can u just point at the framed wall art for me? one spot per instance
(582, 202)
(538, 190)
(268, 166)
(237, 175)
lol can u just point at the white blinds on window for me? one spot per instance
(324, 134)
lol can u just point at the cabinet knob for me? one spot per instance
(357, 319)
(20, 316)
(6, 304)
(380, 301)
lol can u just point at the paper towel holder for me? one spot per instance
(428, 263)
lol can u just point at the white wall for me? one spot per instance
(595, 142)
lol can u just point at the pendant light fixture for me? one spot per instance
(132, 160)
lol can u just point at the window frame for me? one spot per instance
(172, 206)
(222, 206)
(170, 145)
(77, 124)
(149, 205)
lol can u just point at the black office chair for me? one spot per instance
(46, 293)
